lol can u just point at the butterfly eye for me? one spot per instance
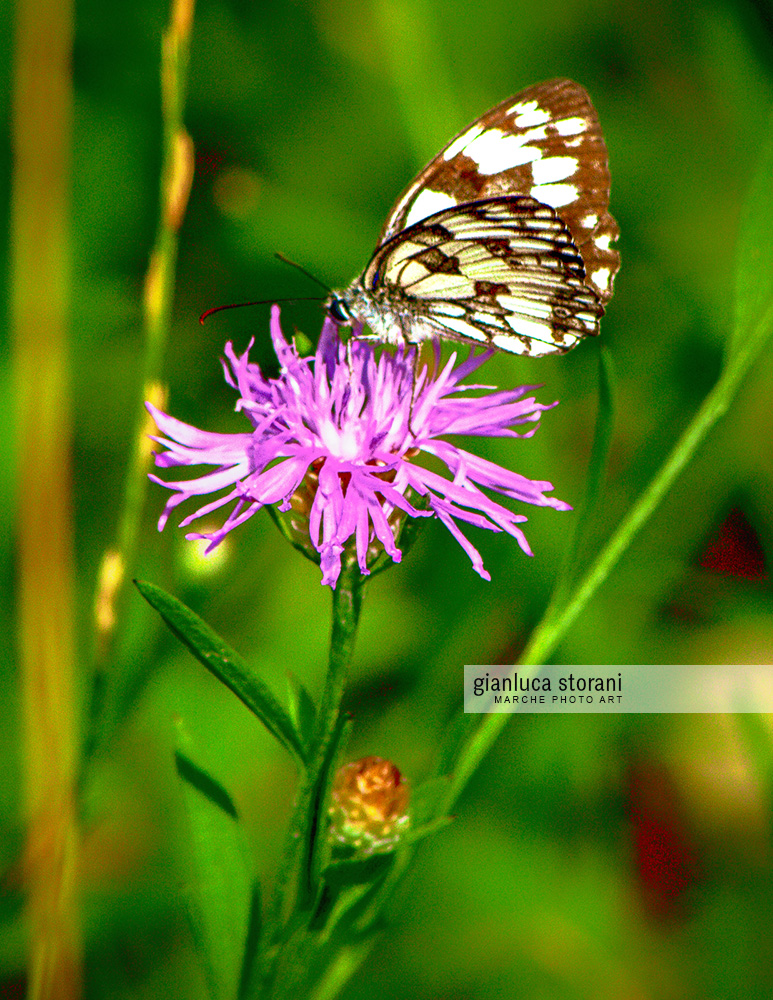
(339, 311)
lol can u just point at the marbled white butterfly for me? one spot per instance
(504, 239)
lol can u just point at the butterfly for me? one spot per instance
(504, 240)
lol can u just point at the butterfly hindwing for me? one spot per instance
(503, 272)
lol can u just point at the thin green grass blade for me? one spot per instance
(754, 255)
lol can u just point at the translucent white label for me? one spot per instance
(642, 688)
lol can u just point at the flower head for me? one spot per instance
(343, 430)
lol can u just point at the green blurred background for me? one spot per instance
(609, 857)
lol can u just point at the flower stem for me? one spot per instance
(176, 179)
(347, 605)
(297, 886)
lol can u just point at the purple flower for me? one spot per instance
(352, 425)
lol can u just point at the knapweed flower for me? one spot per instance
(369, 806)
(343, 430)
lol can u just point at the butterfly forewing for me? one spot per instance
(545, 143)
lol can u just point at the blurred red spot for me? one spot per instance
(664, 858)
(736, 551)
(14, 988)
(208, 162)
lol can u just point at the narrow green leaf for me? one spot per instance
(303, 712)
(227, 665)
(348, 886)
(206, 785)
(754, 255)
(221, 888)
(427, 800)
(251, 963)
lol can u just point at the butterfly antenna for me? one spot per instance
(303, 270)
(258, 302)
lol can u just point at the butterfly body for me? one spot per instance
(503, 240)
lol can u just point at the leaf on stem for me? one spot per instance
(221, 888)
(302, 709)
(358, 871)
(226, 664)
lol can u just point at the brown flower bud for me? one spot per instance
(369, 809)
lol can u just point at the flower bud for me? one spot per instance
(369, 809)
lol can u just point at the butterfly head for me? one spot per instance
(385, 310)
(338, 309)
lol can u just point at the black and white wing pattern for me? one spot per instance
(504, 239)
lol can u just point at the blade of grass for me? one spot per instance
(754, 259)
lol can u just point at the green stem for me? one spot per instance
(298, 885)
(175, 183)
(347, 604)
